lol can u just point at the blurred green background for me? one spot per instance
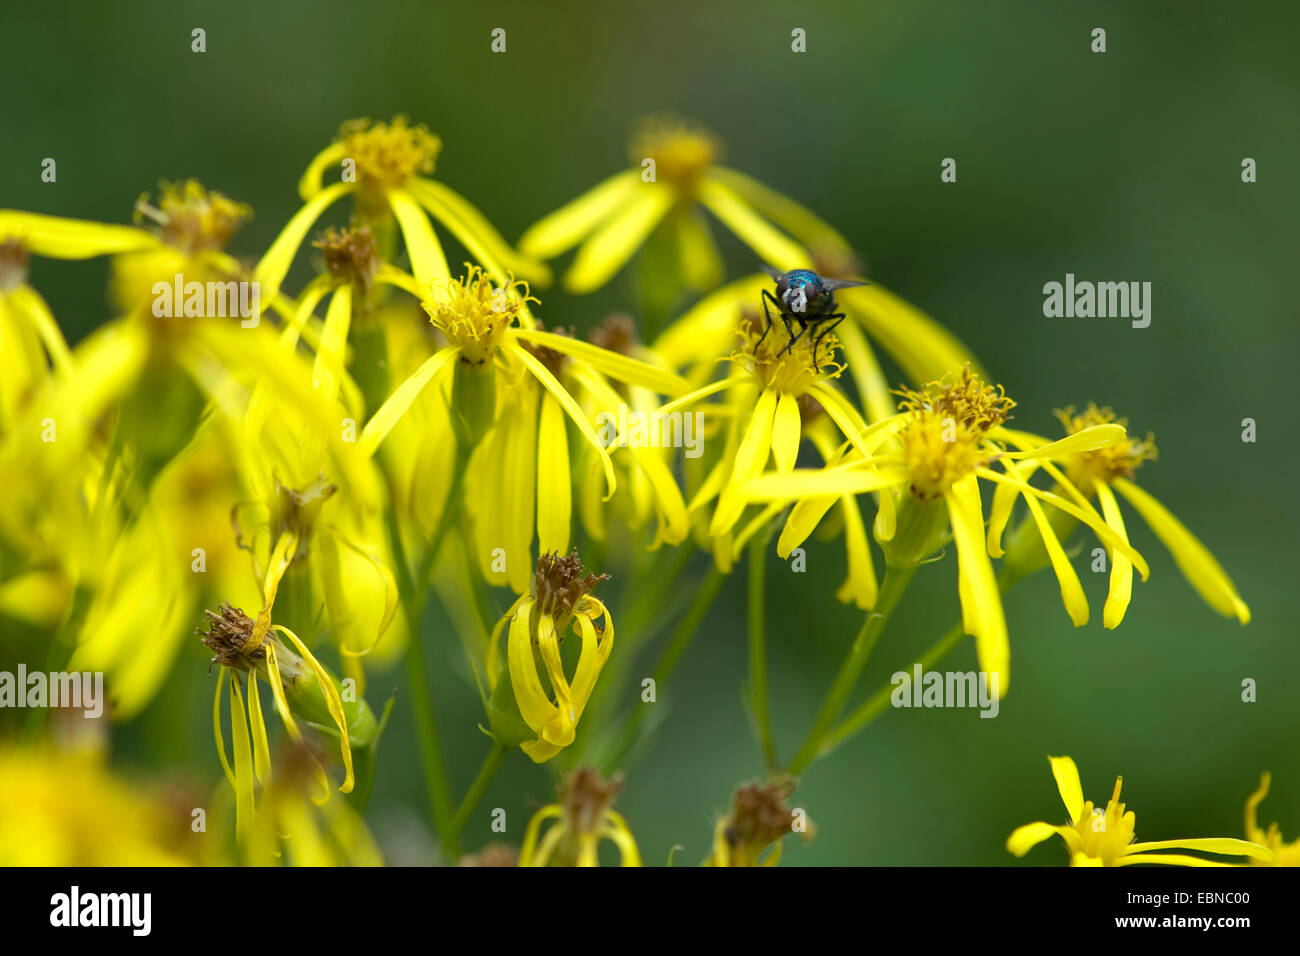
(1117, 166)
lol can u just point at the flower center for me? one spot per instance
(351, 255)
(791, 369)
(1120, 460)
(473, 313)
(297, 510)
(943, 438)
(229, 630)
(585, 796)
(681, 153)
(1103, 836)
(192, 219)
(388, 154)
(559, 584)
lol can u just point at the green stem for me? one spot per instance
(876, 704)
(757, 620)
(426, 725)
(677, 645)
(891, 590)
(491, 764)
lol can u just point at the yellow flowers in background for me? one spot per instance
(1104, 837)
(330, 460)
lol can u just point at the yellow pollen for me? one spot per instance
(943, 437)
(1104, 836)
(388, 154)
(791, 371)
(682, 153)
(1120, 460)
(192, 219)
(473, 313)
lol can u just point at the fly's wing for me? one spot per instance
(842, 283)
(776, 274)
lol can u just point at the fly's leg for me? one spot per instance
(817, 340)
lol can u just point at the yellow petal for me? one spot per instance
(571, 407)
(791, 216)
(787, 426)
(1121, 568)
(1025, 838)
(554, 481)
(978, 587)
(698, 257)
(559, 730)
(57, 238)
(475, 232)
(261, 745)
(614, 243)
(751, 456)
(1076, 605)
(771, 245)
(860, 581)
(1068, 785)
(534, 706)
(395, 406)
(566, 227)
(615, 365)
(274, 266)
(811, 482)
(333, 703)
(1193, 559)
(309, 184)
(1222, 845)
(243, 761)
(923, 348)
(427, 260)
(1086, 439)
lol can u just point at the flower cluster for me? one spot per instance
(317, 465)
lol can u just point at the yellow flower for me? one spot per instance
(298, 682)
(675, 172)
(1097, 837)
(758, 819)
(523, 711)
(1097, 472)
(292, 829)
(510, 405)
(386, 167)
(946, 437)
(583, 817)
(765, 387)
(65, 808)
(921, 347)
(1287, 854)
